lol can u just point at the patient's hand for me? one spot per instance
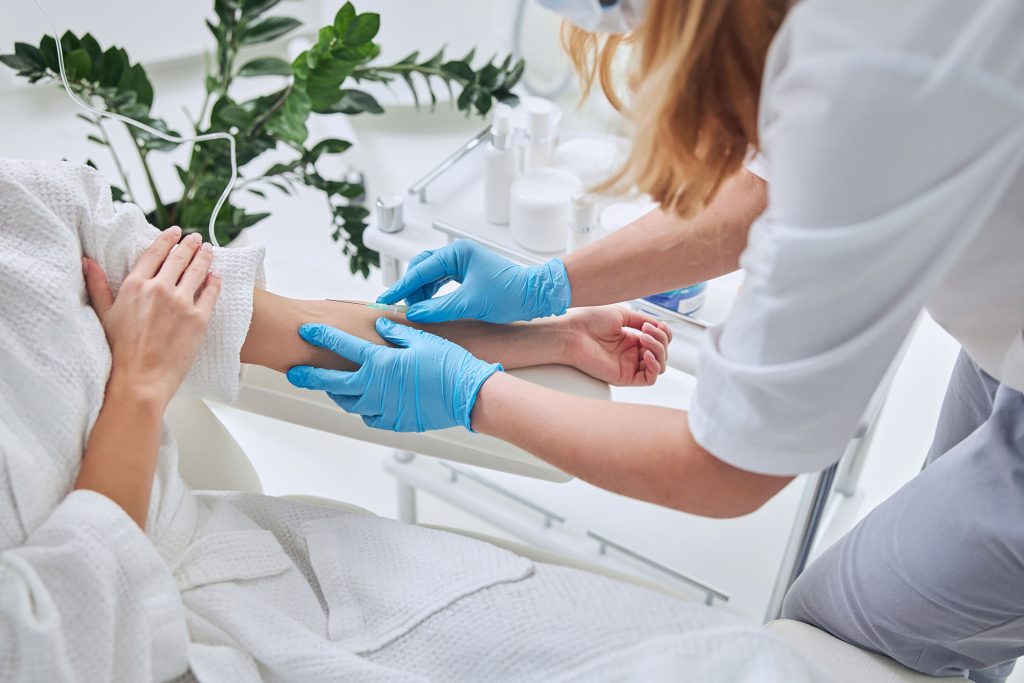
(160, 315)
(618, 345)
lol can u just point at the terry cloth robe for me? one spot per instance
(241, 587)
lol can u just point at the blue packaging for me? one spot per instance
(686, 300)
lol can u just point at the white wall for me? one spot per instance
(151, 31)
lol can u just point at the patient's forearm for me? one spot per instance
(273, 340)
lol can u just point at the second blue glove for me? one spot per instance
(427, 383)
(494, 289)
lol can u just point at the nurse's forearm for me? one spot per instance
(273, 339)
(643, 452)
(661, 251)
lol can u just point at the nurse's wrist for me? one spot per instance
(485, 415)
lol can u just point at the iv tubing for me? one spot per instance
(152, 131)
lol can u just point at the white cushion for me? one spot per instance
(844, 662)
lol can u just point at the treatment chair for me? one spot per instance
(211, 459)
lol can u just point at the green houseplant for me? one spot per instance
(321, 80)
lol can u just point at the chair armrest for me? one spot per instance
(842, 662)
(266, 392)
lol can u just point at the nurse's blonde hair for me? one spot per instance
(693, 86)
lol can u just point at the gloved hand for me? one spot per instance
(426, 383)
(493, 289)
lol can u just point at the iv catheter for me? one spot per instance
(388, 308)
(149, 129)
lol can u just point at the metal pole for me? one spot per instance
(406, 493)
(802, 537)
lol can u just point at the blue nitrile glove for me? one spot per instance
(426, 383)
(493, 288)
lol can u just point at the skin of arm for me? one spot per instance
(600, 442)
(154, 330)
(614, 344)
(660, 251)
(273, 340)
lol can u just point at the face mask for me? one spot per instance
(600, 16)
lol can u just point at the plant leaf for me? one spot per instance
(289, 123)
(466, 98)
(254, 8)
(278, 169)
(329, 146)
(356, 102)
(115, 63)
(459, 71)
(359, 54)
(48, 46)
(95, 52)
(77, 65)
(266, 66)
(362, 29)
(268, 29)
(324, 82)
(31, 55)
(136, 80)
(17, 63)
(343, 18)
(412, 88)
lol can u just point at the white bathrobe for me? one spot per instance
(239, 587)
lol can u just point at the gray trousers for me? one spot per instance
(934, 576)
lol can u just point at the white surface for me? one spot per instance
(894, 187)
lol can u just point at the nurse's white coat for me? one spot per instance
(893, 137)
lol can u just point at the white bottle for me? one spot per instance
(581, 222)
(540, 134)
(501, 166)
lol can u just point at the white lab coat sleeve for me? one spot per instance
(883, 167)
(88, 598)
(117, 235)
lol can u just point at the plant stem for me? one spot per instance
(271, 110)
(161, 210)
(400, 68)
(129, 195)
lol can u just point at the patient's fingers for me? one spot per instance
(655, 341)
(636, 319)
(195, 274)
(651, 367)
(176, 262)
(100, 296)
(342, 343)
(208, 297)
(151, 260)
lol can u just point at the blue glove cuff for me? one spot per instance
(468, 388)
(552, 293)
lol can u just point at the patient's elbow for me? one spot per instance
(727, 492)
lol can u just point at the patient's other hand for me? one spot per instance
(160, 316)
(618, 345)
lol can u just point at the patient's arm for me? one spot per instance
(614, 345)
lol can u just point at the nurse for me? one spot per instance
(889, 177)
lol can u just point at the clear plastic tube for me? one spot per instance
(149, 129)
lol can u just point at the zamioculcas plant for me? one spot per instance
(322, 80)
